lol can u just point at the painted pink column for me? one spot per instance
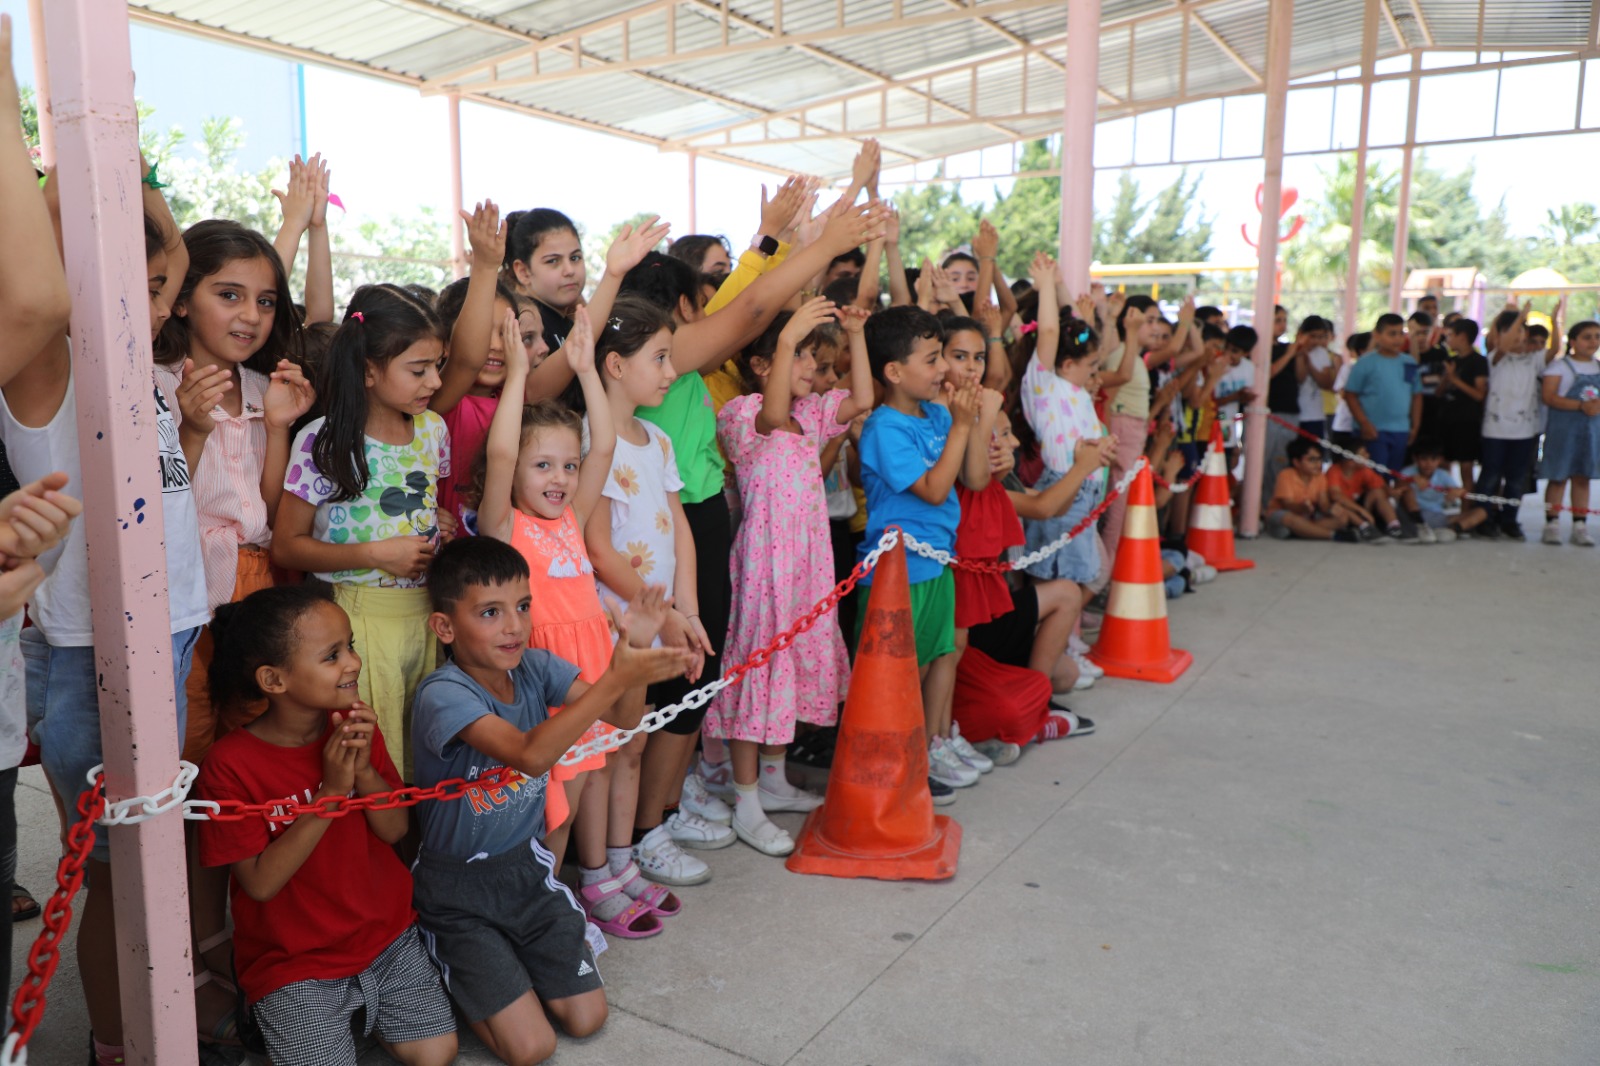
(96, 138)
(1077, 143)
(1280, 26)
(41, 84)
(1402, 219)
(694, 192)
(1358, 203)
(458, 232)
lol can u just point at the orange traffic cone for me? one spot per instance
(1133, 639)
(877, 819)
(1211, 515)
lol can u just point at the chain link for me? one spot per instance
(1003, 566)
(1476, 497)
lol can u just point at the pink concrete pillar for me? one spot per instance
(694, 192)
(1280, 26)
(1402, 219)
(96, 137)
(1358, 203)
(458, 232)
(41, 84)
(1077, 143)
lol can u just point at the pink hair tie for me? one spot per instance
(1029, 327)
(359, 317)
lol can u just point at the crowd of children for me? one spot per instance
(450, 535)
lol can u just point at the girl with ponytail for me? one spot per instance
(360, 507)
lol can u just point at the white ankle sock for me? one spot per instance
(594, 877)
(618, 859)
(773, 778)
(747, 805)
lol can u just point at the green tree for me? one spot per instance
(1029, 218)
(1174, 231)
(594, 254)
(933, 220)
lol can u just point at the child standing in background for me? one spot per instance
(360, 509)
(782, 561)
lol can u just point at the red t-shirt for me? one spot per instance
(345, 904)
(468, 423)
(989, 525)
(1356, 484)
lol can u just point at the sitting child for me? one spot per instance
(1300, 504)
(511, 939)
(323, 925)
(1435, 494)
(1361, 493)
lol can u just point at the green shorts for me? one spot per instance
(933, 616)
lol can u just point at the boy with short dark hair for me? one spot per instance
(511, 941)
(1300, 505)
(912, 450)
(1384, 392)
(1465, 386)
(1433, 493)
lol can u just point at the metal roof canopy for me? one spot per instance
(793, 85)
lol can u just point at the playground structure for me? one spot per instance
(927, 78)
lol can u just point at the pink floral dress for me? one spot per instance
(782, 565)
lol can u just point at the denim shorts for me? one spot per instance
(64, 713)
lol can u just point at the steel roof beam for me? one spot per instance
(1226, 48)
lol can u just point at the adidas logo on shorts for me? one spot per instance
(584, 969)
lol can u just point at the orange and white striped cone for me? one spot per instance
(1211, 515)
(1134, 642)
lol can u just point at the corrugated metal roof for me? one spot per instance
(794, 84)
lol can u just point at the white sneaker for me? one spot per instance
(1077, 647)
(697, 799)
(1552, 533)
(1445, 535)
(1581, 536)
(719, 782)
(777, 802)
(692, 831)
(1426, 535)
(1202, 574)
(1087, 666)
(945, 765)
(1084, 681)
(967, 753)
(1000, 752)
(661, 861)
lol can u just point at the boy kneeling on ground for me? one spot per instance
(510, 939)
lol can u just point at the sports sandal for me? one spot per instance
(655, 896)
(633, 922)
(26, 912)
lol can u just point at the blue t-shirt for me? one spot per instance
(896, 450)
(484, 821)
(1385, 385)
(1432, 498)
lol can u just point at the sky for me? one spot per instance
(389, 146)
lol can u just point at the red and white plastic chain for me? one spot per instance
(1182, 486)
(1476, 497)
(27, 1007)
(1005, 566)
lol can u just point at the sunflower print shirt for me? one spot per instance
(641, 477)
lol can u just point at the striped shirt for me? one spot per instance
(227, 485)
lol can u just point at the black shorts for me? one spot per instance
(712, 529)
(1009, 638)
(1461, 441)
(500, 926)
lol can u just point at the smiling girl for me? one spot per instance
(360, 509)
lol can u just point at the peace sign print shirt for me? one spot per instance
(400, 500)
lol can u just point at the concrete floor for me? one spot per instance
(1360, 829)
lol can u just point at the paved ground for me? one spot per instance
(1360, 829)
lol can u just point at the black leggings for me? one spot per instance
(712, 529)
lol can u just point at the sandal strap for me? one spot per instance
(654, 896)
(600, 891)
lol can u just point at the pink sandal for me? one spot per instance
(635, 922)
(654, 896)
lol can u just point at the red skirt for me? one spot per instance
(994, 701)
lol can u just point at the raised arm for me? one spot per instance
(319, 251)
(862, 395)
(899, 291)
(997, 363)
(777, 394)
(296, 200)
(475, 325)
(503, 445)
(703, 345)
(1049, 313)
(596, 466)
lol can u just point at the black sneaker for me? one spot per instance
(1345, 536)
(1513, 533)
(815, 748)
(943, 795)
(1487, 531)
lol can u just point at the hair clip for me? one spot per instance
(359, 317)
(1083, 337)
(616, 324)
(1029, 327)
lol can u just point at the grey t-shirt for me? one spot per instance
(484, 822)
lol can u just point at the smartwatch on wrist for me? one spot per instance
(767, 246)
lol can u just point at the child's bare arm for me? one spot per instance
(475, 325)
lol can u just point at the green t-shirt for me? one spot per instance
(688, 418)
